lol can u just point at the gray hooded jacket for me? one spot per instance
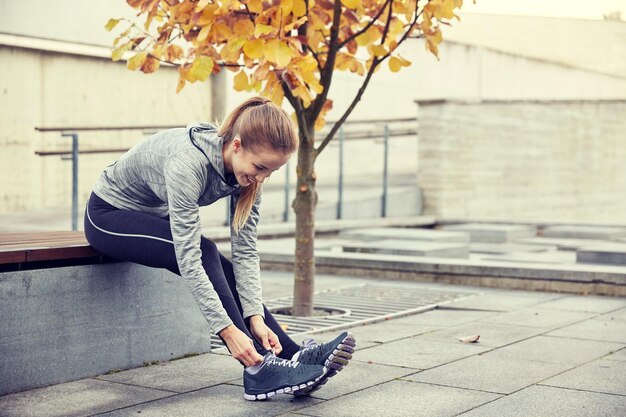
(173, 173)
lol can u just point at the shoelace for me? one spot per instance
(282, 362)
(308, 344)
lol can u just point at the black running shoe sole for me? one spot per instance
(283, 390)
(335, 363)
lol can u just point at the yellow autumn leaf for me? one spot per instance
(370, 36)
(433, 40)
(243, 27)
(283, 55)
(201, 68)
(253, 49)
(111, 24)
(240, 82)
(255, 6)
(204, 33)
(285, 7)
(136, 61)
(262, 29)
(182, 76)
(351, 4)
(396, 63)
(299, 8)
(378, 50)
(118, 52)
(270, 50)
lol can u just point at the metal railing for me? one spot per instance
(346, 132)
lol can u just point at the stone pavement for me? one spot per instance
(539, 354)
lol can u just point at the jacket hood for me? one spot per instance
(204, 136)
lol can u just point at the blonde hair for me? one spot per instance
(258, 123)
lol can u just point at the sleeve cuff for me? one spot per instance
(220, 325)
(258, 311)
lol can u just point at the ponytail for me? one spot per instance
(259, 123)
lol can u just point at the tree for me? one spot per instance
(284, 49)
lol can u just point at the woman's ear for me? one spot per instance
(236, 144)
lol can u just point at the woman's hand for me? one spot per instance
(265, 336)
(240, 346)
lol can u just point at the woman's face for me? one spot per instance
(256, 165)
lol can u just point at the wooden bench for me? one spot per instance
(29, 250)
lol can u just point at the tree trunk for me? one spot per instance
(304, 206)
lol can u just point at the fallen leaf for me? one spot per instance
(470, 339)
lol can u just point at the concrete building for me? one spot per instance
(57, 72)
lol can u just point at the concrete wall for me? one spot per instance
(523, 159)
(62, 324)
(468, 72)
(43, 89)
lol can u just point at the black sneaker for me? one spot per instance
(277, 376)
(334, 355)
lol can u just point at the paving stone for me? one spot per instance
(402, 398)
(584, 232)
(539, 317)
(418, 352)
(222, 400)
(446, 317)
(605, 376)
(358, 376)
(491, 334)
(182, 375)
(501, 248)
(606, 254)
(487, 373)
(559, 243)
(539, 401)
(79, 398)
(380, 233)
(410, 248)
(556, 350)
(617, 356)
(493, 233)
(604, 330)
(619, 315)
(388, 331)
(586, 304)
(505, 300)
(553, 257)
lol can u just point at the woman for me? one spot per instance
(145, 209)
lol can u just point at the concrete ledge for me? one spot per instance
(63, 324)
(579, 279)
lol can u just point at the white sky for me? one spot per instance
(585, 9)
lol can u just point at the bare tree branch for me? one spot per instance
(366, 27)
(386, 31)
(296, 103)
(359, 94)
(343, 118)
(326, 74)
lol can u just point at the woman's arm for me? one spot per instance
(185, 181)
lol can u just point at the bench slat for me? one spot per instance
(60, 253)
(24, 238)
(43, 246)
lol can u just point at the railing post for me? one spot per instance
(74, 178)
(385, 172)
(340, 184)
(286, 206)
(227, 221)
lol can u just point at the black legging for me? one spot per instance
(147, 240)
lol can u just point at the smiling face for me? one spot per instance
(252, 165)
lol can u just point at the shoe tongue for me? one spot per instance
(254, 369)
(308, 342)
